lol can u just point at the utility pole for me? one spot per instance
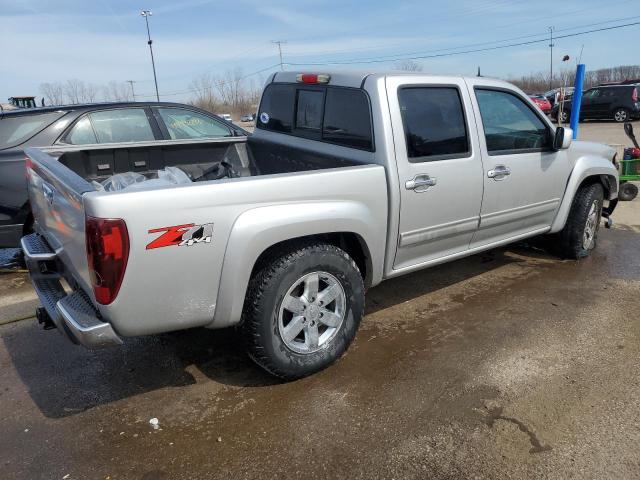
(551, 58)
(279, 43)
(146, 14)
(131, 82)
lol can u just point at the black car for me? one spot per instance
(612, 102)
(81, 125)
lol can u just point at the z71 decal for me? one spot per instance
(180, 235)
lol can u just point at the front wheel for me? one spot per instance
(302, 310)
(578, 237)
(621, 115)
(564, 117)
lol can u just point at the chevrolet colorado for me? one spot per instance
(349, 179)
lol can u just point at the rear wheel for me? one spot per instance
(564, 116)
(628, 191)
(621, 115)
(302, 310)
(578, 237)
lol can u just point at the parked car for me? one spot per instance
(558, 94)
(226, 116)
(541, 102)
(81, 125)
(248, 118)
(614, 102)
(349, 179)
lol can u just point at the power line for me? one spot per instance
(476, 50)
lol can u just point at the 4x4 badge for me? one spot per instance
(182, 235)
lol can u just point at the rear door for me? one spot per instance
(589, 106)
(524, 178)
(439, 165)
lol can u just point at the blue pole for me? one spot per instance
(576, 103)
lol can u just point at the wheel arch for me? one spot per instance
(260, 233)
(588, 170)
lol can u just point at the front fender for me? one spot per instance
(260, 228)
(586, 166)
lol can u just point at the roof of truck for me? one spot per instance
(356, 78)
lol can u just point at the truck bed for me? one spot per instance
(249, 158)
(282, 190)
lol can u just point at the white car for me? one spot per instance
(226, 116)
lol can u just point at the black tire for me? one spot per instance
(267, 288)
(570, 240)
(621, 115)
(628, 191)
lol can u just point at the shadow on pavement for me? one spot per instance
(64, 379)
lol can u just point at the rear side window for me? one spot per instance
(112, 126)
(337, 115)
(184, 124)
(434, 123)
(16, 129)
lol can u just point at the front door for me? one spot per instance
(524, 179)
(439, 168)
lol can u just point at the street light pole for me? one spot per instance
(146, 14)
(551, 58)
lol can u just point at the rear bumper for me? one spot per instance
(72, 313)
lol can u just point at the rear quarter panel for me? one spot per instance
(177, 287)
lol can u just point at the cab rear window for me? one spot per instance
(337, 115)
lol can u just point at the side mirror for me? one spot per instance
(562, 138)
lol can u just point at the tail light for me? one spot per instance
(313, 78)
(107, 254)
(634, 95)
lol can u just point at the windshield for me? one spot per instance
(16, 129)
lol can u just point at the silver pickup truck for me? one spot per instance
(349, 179)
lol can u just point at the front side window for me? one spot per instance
(309, 109)
(185, 124)
(121, 125)
(510, 126)
(593, 93)
(434, 123)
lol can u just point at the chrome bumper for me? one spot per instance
(72, 313)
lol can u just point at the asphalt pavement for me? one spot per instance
(508, 364)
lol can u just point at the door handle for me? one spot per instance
(420, 183)
(499, 172)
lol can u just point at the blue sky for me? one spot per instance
(105, 40)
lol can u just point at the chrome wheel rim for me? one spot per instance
(564, 117)
(620, 116)
(312, 312)
(591, 227)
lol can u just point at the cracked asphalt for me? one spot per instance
(508, 364)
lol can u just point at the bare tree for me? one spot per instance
(117, 92)
(53, 92)
(408, 66)
(204, 92)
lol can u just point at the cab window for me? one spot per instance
(510, 125)
(188, 124)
